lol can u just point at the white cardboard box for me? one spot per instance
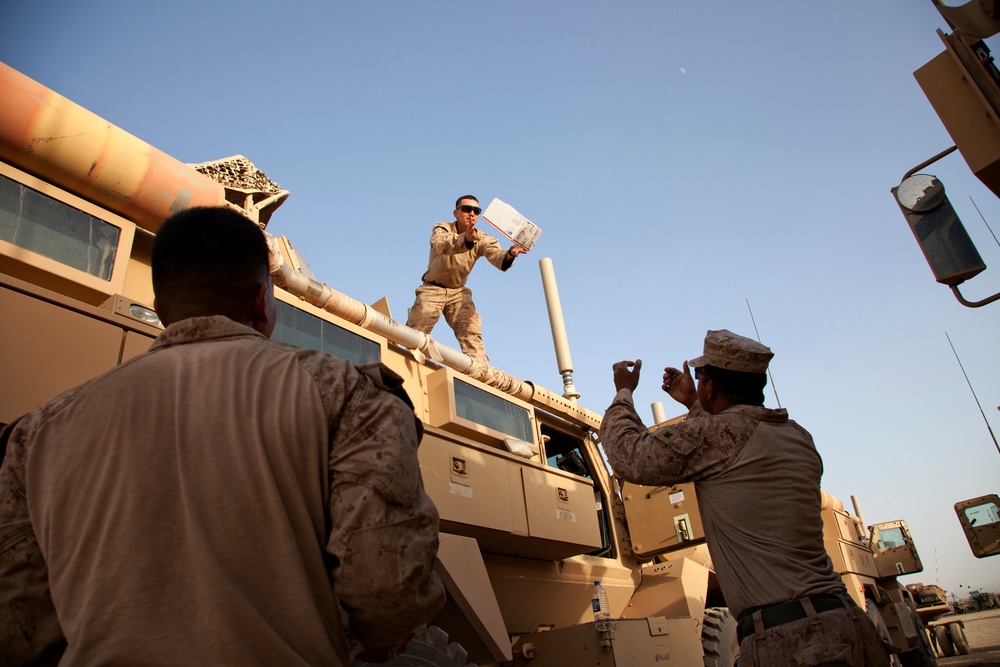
(511, 224)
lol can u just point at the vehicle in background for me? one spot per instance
(870, 560)
(947, 633)
(930, 598)
(980, 600)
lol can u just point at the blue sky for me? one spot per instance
(682, 159)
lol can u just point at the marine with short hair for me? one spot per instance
(757, 479)
(220, 499)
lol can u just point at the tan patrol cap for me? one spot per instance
(724, 349)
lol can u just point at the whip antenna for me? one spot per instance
(984, 219)
(973, 392)
(770, 377)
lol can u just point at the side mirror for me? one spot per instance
(946, 245)
(980, 519)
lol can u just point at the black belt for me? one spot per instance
(786, 612)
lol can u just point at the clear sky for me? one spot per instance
(682, 158)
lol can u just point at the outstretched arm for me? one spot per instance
(511, 255)
(635, 453)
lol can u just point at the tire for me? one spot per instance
(428, 649)
(718, 638)
(957, 635)
(922, 655)
(882, 629)
(944, 641)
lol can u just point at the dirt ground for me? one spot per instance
(982, 629)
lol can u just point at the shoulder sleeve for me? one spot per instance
(636, 454)
(384, 535)
(388, 380)
(29, 629)
(700, 447)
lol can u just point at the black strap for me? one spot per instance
(786, 612)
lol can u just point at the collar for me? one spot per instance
(195, 329)
(758, 412)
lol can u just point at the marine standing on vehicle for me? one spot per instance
(455, 247)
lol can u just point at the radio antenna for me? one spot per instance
(771, 377)
(984, 219)
(973, 392)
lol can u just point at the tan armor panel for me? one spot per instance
(894, 554)
(661, 518)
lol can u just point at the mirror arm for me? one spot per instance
(954, 288)
(929, 162)
(973, 304)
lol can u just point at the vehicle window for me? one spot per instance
(43, 225)
(982, 515)
(492, 411)
(890, 537)
(301, 329)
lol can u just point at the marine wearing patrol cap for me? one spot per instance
(724, 349)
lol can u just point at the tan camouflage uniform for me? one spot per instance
(444, 291)
(214, 501)
(832, 638)
(757, 478)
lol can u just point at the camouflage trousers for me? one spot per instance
(459, 312)
(835, 638)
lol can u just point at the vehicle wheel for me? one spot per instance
(957, 635)
(428, 649)
(944, 641)
(718, 638)
(873, 613)
(922, 655)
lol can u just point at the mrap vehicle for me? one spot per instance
(531, 516)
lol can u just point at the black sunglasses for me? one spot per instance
(465, 208)
(698, 372)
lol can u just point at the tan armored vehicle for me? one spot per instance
(948, 633)
(530, 516)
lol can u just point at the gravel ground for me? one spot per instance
(982, 629)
